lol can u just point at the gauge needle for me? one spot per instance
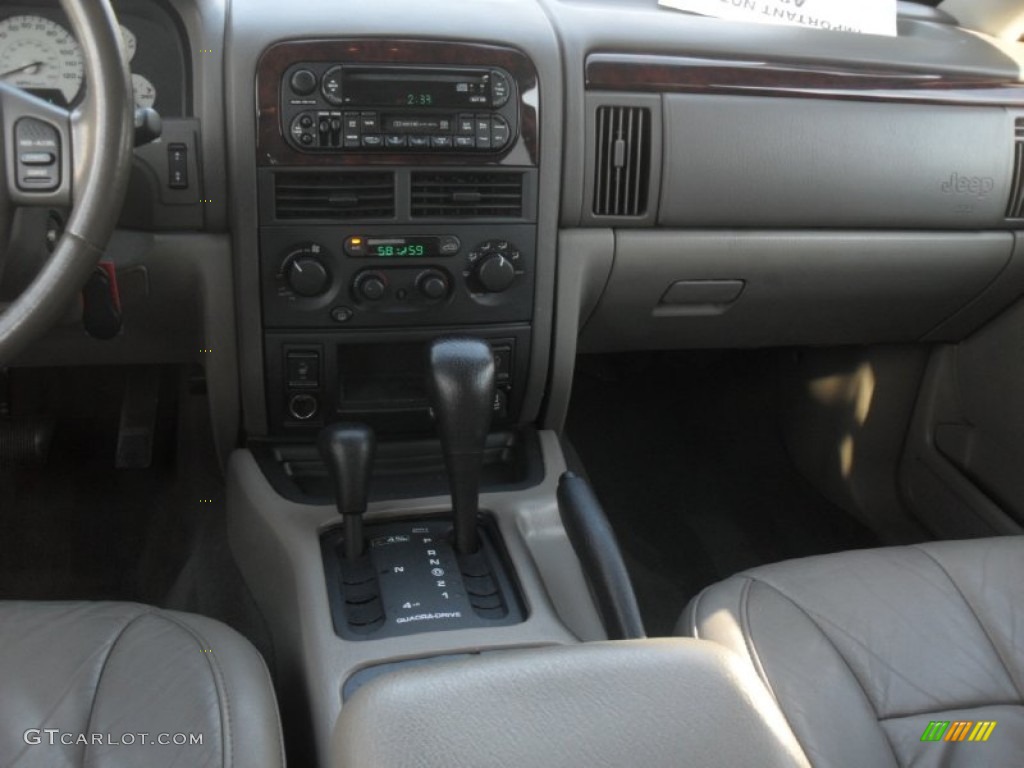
(30, 65)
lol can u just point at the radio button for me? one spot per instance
(373, 140)
(483, 131)
(369, 122)
(449, 244)
(395, 139)
(500, 132)
(351, 140)
(500, 89)
(351, 122)
(466, 125)
(331, 85)
(306, 121)
(441, 142)
(465, 142)
(306, 139)
(419, 142)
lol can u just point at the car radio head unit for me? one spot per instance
(332, 107)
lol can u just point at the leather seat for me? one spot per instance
(863, 650)
(103, 684)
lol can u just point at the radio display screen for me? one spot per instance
(414, 89)
(427, 246)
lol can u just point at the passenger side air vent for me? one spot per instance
(1015, 208)
(623, 161)
(467, 194)
(338, 195)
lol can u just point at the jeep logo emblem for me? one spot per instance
(979, 186)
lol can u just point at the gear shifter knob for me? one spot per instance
(347, 449)
(461, 382)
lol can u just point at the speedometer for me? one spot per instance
(41, 56)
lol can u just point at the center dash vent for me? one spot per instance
(467, 194)
(1015, 207)
(622, 161)
(337, 195)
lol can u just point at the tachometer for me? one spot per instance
(41, 56)
(145, 92)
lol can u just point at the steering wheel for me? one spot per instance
(55, 158)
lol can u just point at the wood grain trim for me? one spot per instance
(667, 74)
(272, 149)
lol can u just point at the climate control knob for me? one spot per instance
(495, 273)
(371, 286)
(305, 272)
(433, 284)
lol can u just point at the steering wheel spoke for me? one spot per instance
(38, 150)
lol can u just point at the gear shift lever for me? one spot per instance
(461, 382)
(347, 450)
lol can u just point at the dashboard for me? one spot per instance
(550, 175)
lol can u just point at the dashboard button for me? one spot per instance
(396, 139)
(419, 142)
(369, 122)
(500, 89)
(37, 158)
(466, 125)
(373, 140)
(352, 139)
(500, 132)
(352, 122)
(483, 132)
(465, 142)
(441, 142)
(331, 85)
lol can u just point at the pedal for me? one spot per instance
(138, 419)
(25, 443)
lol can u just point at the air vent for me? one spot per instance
(334, 195)
(1015, 208)
(467, 195)
(622, 161)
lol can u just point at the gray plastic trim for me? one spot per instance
(276, 544)
(777, 162)
(801, 287)
(585, 258)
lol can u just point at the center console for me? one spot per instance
(395, 505)
(398, 191)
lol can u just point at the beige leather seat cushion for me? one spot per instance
(863, 649)
(114, 671)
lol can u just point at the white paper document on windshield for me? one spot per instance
(872, 17)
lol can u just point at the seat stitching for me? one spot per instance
(227, 753)
(748, 637)
(986, 705)
(839, 653)
(977, 618)
(103, 668)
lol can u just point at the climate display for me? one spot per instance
(415, 247)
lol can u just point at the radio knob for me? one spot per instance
(495, 273)
(307, 276)
(303, 82)
(371, 286)
(433, 284)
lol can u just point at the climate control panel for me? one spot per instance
(322, 277)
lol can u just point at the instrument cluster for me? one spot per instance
(39, 53)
